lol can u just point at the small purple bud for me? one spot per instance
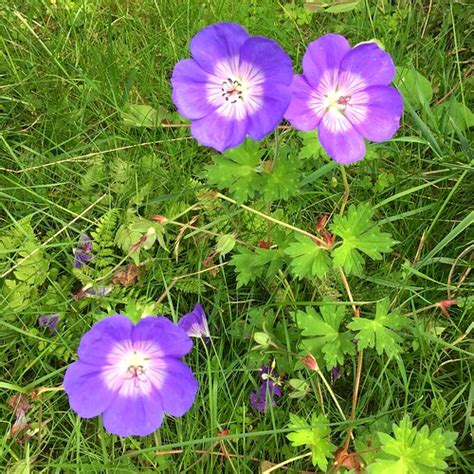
(49, 321)
(335, 375)
(85, 243)
(83, 253)
(101, 291)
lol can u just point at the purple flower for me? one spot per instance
(131, 375)
(235, 85)
(346, 93)
(194, 323)
(335, 374)
(268, 391)
(262, 399)
(83, 253)
(49, 321)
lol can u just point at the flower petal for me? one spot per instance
(189, 83)
(324, 55)
(221, 129)
(160, 335)
(375, 112)
(99, 341)
(366, 65)
(340, 139)
(86, 389)
(273, 104)
(216, 43)
(194, 324)
(300, 113)
(268, 57)
(136, 415)
(178, 387)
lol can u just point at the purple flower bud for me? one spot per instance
(85, 243)
(49, 321)
(91, 292)
(335, 375)
(83, 253)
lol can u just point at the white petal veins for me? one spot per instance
(333, 100)
(134, 370)
(236, 89)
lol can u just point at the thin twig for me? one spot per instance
(85, 157)
(315, 239)
(212, 453)
(331, 392)
(284, 463)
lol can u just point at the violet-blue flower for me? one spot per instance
(83, 253)
(195, 324)
(268, 391)
(265, 396)
(345, 93)
(235, 85)
(131, 374)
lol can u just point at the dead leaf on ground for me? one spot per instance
(348, 460)
(126, 276)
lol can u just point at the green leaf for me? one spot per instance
(31, 259)
(315, 436)
(283, 180)
(16, 295)
(453, 111)
(261, 338)
(323, 331)
(33, 269)
(343, 6)
(307, 258)
(237, 170)
(411, 451)
(225, 244)
(137, 233)
(414, 87)
(252, 265)
(311, 147)
(358, 234)
(379, 332)
(141, 115)
(334, 6)
(245, 267)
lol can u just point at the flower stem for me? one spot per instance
(347, 190)
(360, 359)
(331, 392)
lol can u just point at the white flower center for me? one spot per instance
(135, 364)
(236, 88)
(232, 90)
(335, 101)
(133, 369)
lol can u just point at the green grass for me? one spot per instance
(67, 69)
